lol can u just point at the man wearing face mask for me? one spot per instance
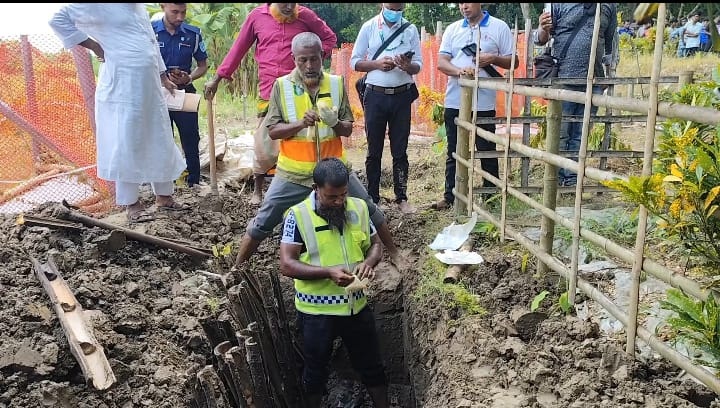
(389, 94)
(308, 113)
(330, 248)
(271, 27)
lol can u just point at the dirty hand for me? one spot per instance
(180, 77)
(310, 118)
(340, 276)
(545, 21)
(328, 115)
(386, 64)
(211, 87)
(363, 271)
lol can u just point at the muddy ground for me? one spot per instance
(147, 304)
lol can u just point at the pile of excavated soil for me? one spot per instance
(147, 303)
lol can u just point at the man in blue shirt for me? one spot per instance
(179, 43)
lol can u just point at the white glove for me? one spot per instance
(328, 115)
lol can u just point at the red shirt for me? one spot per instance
(272, 51)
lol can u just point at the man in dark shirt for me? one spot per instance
(560, 24)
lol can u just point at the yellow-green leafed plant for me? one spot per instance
(683, 191)
(697, 323)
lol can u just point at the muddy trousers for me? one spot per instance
(489, 165)
(391, 113)
(359, 336)
(189, 132)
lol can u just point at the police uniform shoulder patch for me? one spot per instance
(202, 46)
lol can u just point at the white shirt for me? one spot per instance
(133, 133)
(495, 38)
(371, 36)
(694, 28)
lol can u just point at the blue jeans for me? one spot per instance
(571, 132)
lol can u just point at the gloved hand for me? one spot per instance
(328, 115)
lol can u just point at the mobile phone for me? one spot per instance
(409, 54)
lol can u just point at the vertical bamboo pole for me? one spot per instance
(530, 73)
(473, 135)
(508, 135)
(646, 171)
(572, 284)
(552, 145)
(461, 150)
(30, 90)
(211, 146)
(685, 78)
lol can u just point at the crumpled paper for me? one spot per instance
(453, 236)
(450, 257)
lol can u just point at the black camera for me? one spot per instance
(471, 50)
(409, 54)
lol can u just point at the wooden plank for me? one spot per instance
(83, 344)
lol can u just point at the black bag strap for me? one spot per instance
(572, 36)
(390, 39)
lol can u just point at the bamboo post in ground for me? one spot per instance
(462, 151)
(262, 397)
(529, 69)
(211, 146)
(508, 138)
(575, 250)
(646, 171)
(685, 77)
(552, 144)
(453, 271)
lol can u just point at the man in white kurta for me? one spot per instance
(134, 137)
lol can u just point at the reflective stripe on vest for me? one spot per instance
(323, 248)
(299, 154)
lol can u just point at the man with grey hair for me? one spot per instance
(308, 112)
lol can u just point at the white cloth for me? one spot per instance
(135, 141)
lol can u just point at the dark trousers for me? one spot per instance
(391, 112)
(187, 126)
(359, 336)
(489, 165)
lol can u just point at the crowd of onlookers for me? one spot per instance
(692, 35)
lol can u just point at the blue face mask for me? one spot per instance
(392, 16)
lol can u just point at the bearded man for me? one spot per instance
(271, 27)
(328, 244)
(308, 113)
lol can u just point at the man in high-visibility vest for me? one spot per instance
(330, 248)
(308, 112)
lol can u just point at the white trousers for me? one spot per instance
(129, 193)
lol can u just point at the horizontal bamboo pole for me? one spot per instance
(591, 172)
(652, 267)
(708, 116)
(593, 293)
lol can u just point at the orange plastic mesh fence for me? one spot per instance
(47, 127)
(431, 84)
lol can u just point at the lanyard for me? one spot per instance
(382, 36)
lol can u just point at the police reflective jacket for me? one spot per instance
(299, 154)
(325, 246)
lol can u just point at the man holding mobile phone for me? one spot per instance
(180, 43)
(390, 63)
(458, 53)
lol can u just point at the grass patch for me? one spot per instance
(452, 296)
